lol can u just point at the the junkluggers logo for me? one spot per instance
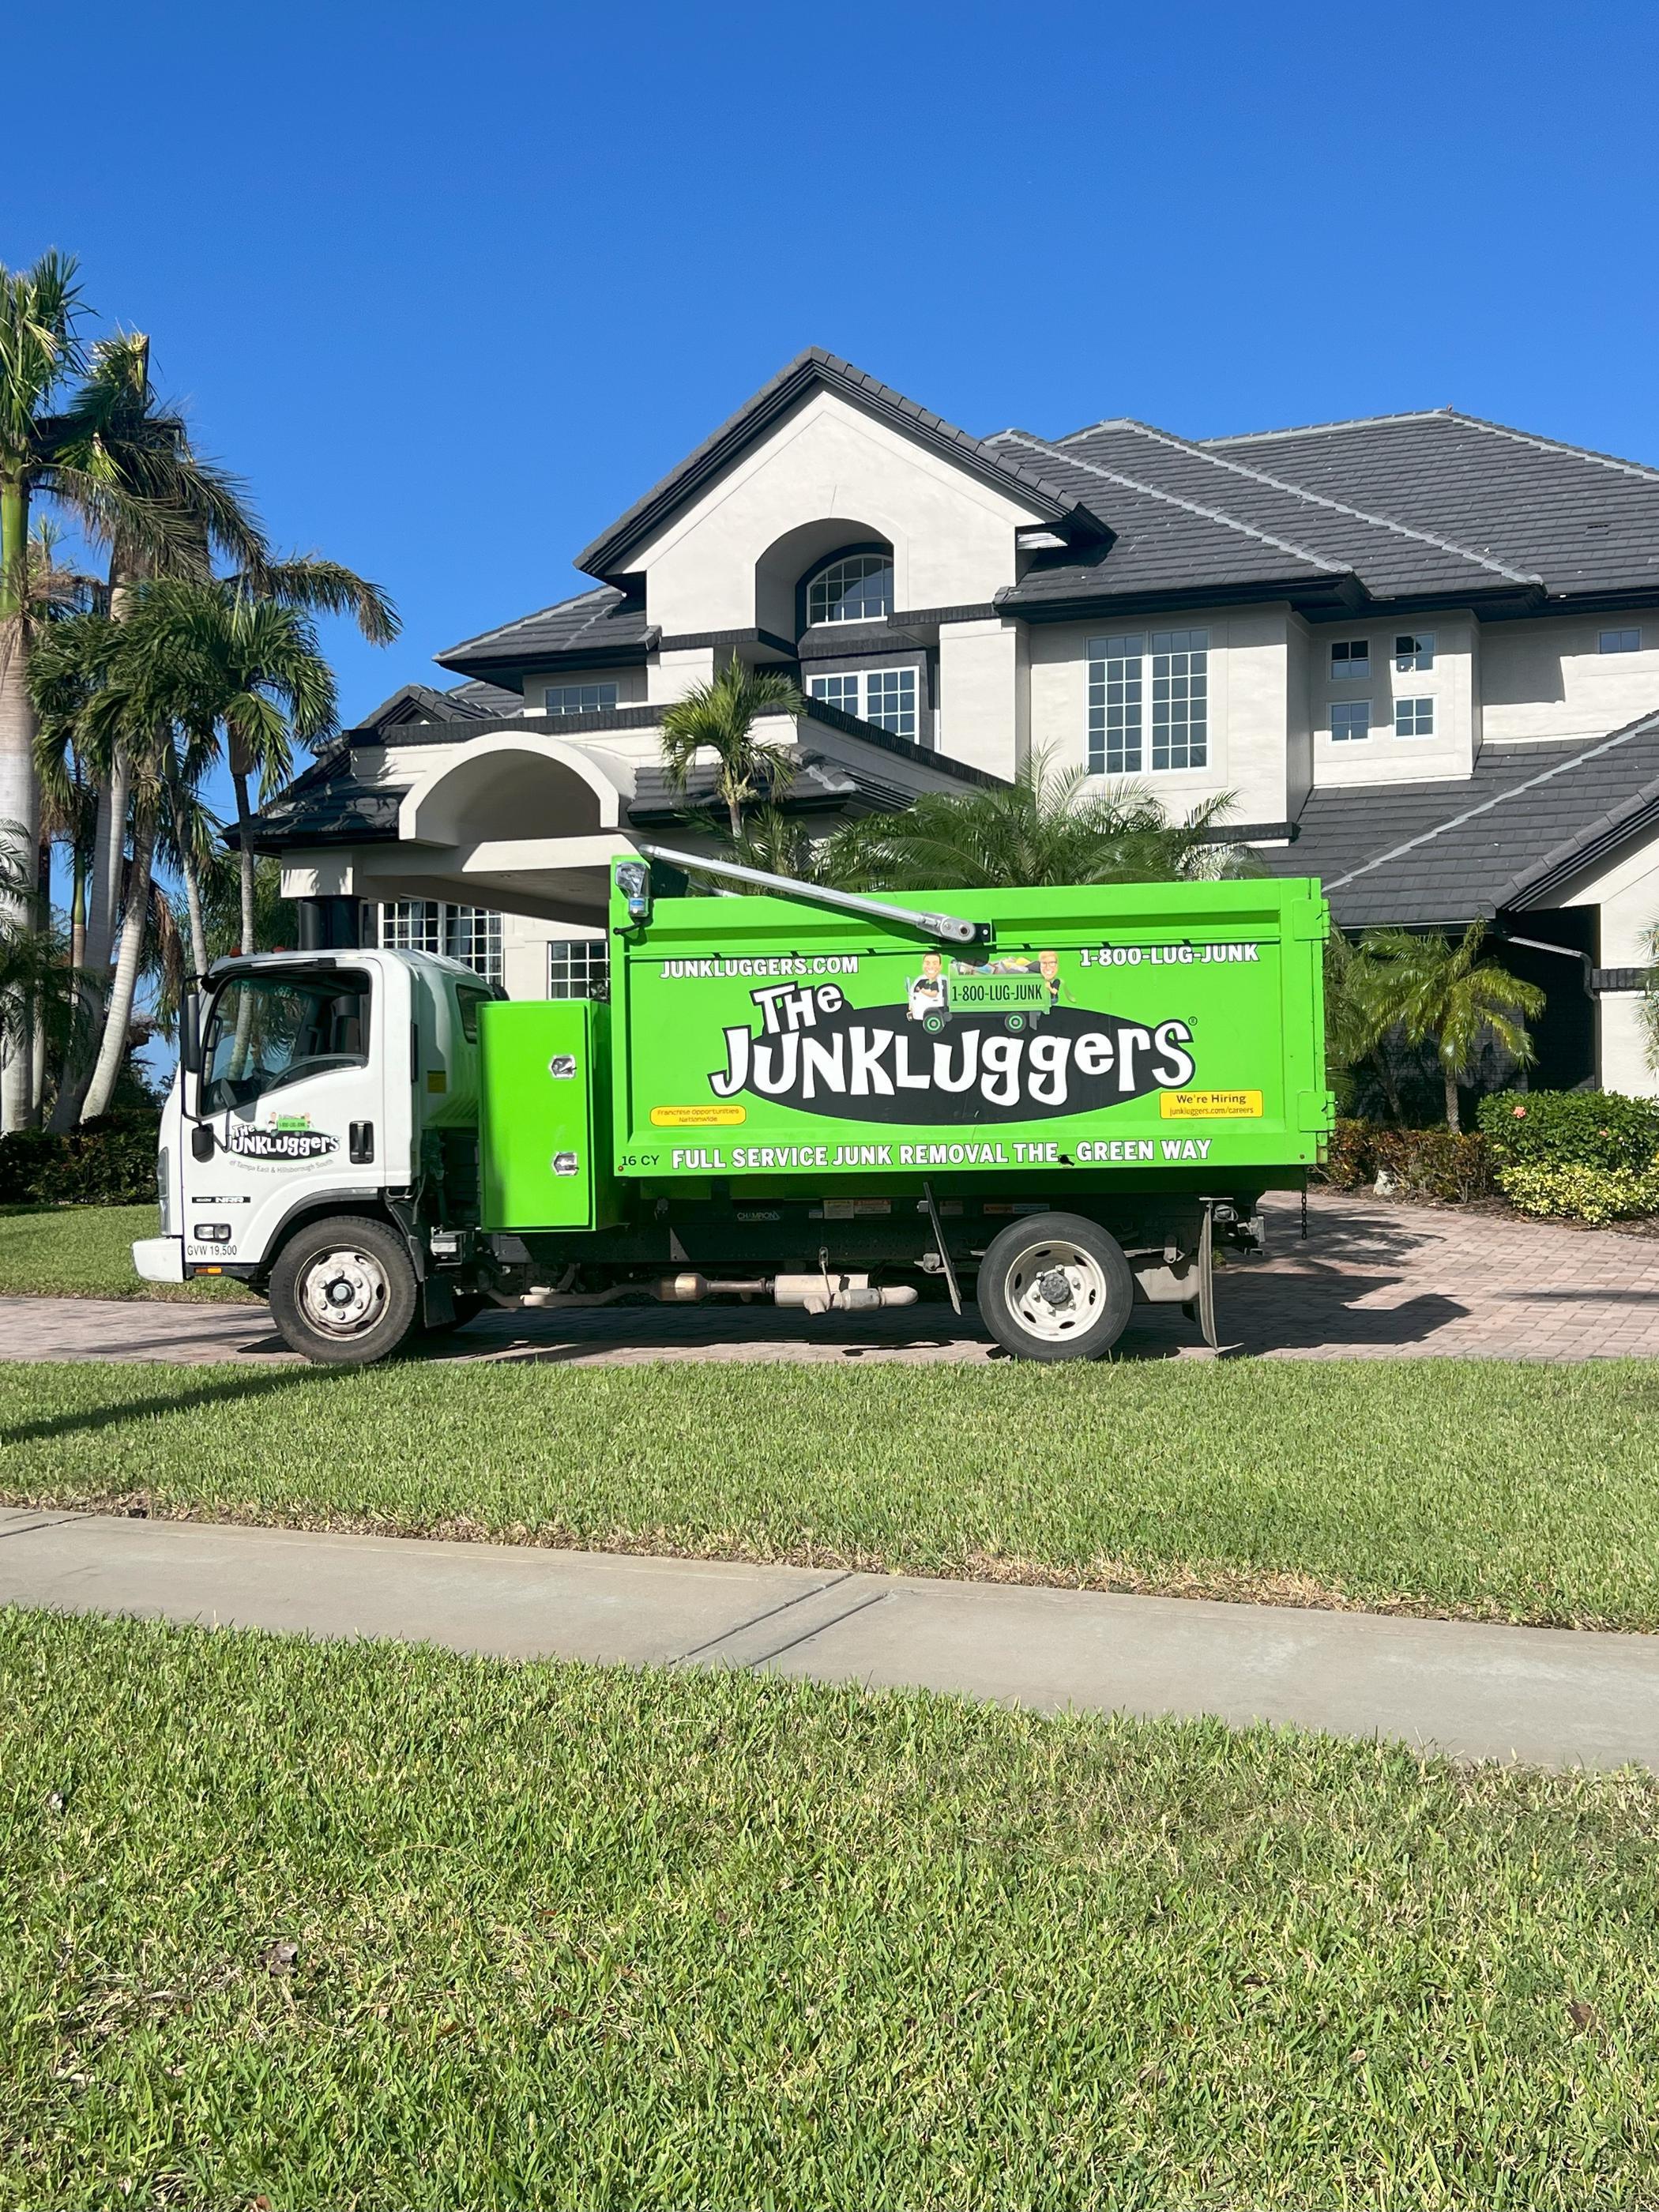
(816, 1053)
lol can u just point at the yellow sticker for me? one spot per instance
(1211, 1105)
(697, 1117)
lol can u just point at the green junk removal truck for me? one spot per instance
(1055, 1100)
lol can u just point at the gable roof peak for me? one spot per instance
(815, 369)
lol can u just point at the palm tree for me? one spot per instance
(146, 444)
(1444, 993)
(123, 468)
(228, 658)
(719, 718)
(130, 717)
(39, 995)
(1042, 829)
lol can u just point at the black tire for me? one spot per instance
(1013, 1023)
(932, 1024)
(372, 1291)
(469, 1305)
(1033, 1259)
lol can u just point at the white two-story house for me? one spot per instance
(1421, 652)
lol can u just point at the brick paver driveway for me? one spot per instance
(1374, 1280)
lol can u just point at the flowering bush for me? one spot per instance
(1578, 1128)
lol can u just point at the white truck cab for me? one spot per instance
(319, 1097)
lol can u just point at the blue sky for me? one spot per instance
(451, 287)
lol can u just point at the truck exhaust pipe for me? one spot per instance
(820, 1293)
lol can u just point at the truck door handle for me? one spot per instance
(361, 1141)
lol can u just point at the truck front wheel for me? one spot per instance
(343, 1293)
(1055, 1287)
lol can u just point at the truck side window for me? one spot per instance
(267, 1031)
(469, 1003)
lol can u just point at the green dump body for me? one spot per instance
(1136, 1036)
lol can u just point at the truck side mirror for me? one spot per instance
(190, 1034)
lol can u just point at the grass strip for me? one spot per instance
(86, 1252)
(390, 1927)
(1481, 1490)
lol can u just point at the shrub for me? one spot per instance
(1598, 1129)
(1580, 1193)
(109, 1161)
(1445, 1163)
(1349, 1160)
(1426, 1162)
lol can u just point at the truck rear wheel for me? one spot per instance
(343, 1293)
(1055, 1287)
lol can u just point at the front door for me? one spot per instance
(292, 1089)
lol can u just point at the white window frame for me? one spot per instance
(572, 961)
(1348, 735)
(1419, 659)
(1350, 671)
(868, 708)
(819, 582)
(1619, 640)
(1416, 701)
(1149, 695)
(565, 692)
(470, 934)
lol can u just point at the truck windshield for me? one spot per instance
(267, 1031)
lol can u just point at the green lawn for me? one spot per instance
(387, 1926)
(1489, 1489)
(86, 1252)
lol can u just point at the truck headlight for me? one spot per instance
(211, 1232)
(164, 1190)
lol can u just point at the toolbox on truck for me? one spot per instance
(544, 1121)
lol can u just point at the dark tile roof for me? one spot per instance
(1166, 541)
(1512, 836)
(1050, 498)
(415, 704)
(1583, 521)
(1393, 559)
(821, 785)
(602, 625)
(328, 805)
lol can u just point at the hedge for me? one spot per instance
(1442, 1164)
(109, 1161)
(1577, 1128)
(1579, 1193)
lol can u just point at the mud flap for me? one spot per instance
(1206, 1300)
(938, 1227)
(437, 1303)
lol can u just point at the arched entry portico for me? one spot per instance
(523, 824)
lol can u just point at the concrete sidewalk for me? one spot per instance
(1550, 1696)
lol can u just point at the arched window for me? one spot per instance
(854, 587)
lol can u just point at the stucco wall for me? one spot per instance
(1383, 757)
(952, 536)
(1549, 678)
(1249, 685)
(1628, 895)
